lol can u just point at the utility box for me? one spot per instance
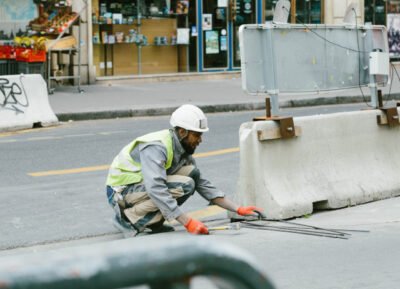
(379, 63)
(296, 58)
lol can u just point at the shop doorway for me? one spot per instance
(220, 22)
(243, 12)
(214, 26)
(307, 11)
(301, 11)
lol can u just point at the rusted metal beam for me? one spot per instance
(132, 262)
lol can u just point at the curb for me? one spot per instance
(173, 77)
(211, 108)
(109, 114)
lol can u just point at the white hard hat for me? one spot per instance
(189, 117)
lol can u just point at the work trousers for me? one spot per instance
(137, 208)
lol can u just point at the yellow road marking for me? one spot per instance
(42, 138)
(23, 131)
(106, 167)
(217, 152)
(69, 171)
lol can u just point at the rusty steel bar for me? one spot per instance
(131, 262)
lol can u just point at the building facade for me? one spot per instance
(125, 38)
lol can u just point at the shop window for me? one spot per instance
(141, 36)
(308, 11)
(375, 11)
(270, 9)
(301, 11)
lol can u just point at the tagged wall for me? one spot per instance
(338, 160)
(23, 102)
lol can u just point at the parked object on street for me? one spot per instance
(291, 167)
(339, 160)
(327, 57)
(156, 173)
(24, 103)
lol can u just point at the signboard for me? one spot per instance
(294, 58)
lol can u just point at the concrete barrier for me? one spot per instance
(24, 102)
(338, 160)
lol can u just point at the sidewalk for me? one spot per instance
(127, 98)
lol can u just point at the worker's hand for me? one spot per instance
(196, 227)
(250, 210)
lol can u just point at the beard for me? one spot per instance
(188, 148)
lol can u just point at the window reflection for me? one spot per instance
(302, 11)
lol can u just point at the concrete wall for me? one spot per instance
(338, 160)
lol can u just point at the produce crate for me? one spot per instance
(12, 66)
(3, 67)
(30, 55)
(7, 52)
(8, 67)
(31, 68)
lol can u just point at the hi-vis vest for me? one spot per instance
(124, 170)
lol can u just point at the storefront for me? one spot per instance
(169, 36)
(147, 37)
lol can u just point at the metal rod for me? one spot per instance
(300, 229)
(380, 99)
(318, 234)
(268, 107)
(232, 226)
(304, 225)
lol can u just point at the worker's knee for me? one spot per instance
(195, 175)
(190, 171)
(189, 186)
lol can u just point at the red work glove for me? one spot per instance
(196, 227)
(243, 211)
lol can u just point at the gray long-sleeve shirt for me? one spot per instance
(153, 157)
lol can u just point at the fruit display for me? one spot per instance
(54, 17)
(34, 42)
(56, 25)
(30, 49)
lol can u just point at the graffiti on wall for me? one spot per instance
(12, 96)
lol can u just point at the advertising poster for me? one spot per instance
(207, 22)
(212, 42)
(393, 27)
(182, 7)
(182, 36)
(194, 31)
(223, 46)
(222, 3)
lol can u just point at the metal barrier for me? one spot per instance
(166, 263)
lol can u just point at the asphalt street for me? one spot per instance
(54, 183)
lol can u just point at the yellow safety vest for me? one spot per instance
(124, 170)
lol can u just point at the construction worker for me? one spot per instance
(156, 173)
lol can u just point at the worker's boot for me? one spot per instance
(160, 227)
